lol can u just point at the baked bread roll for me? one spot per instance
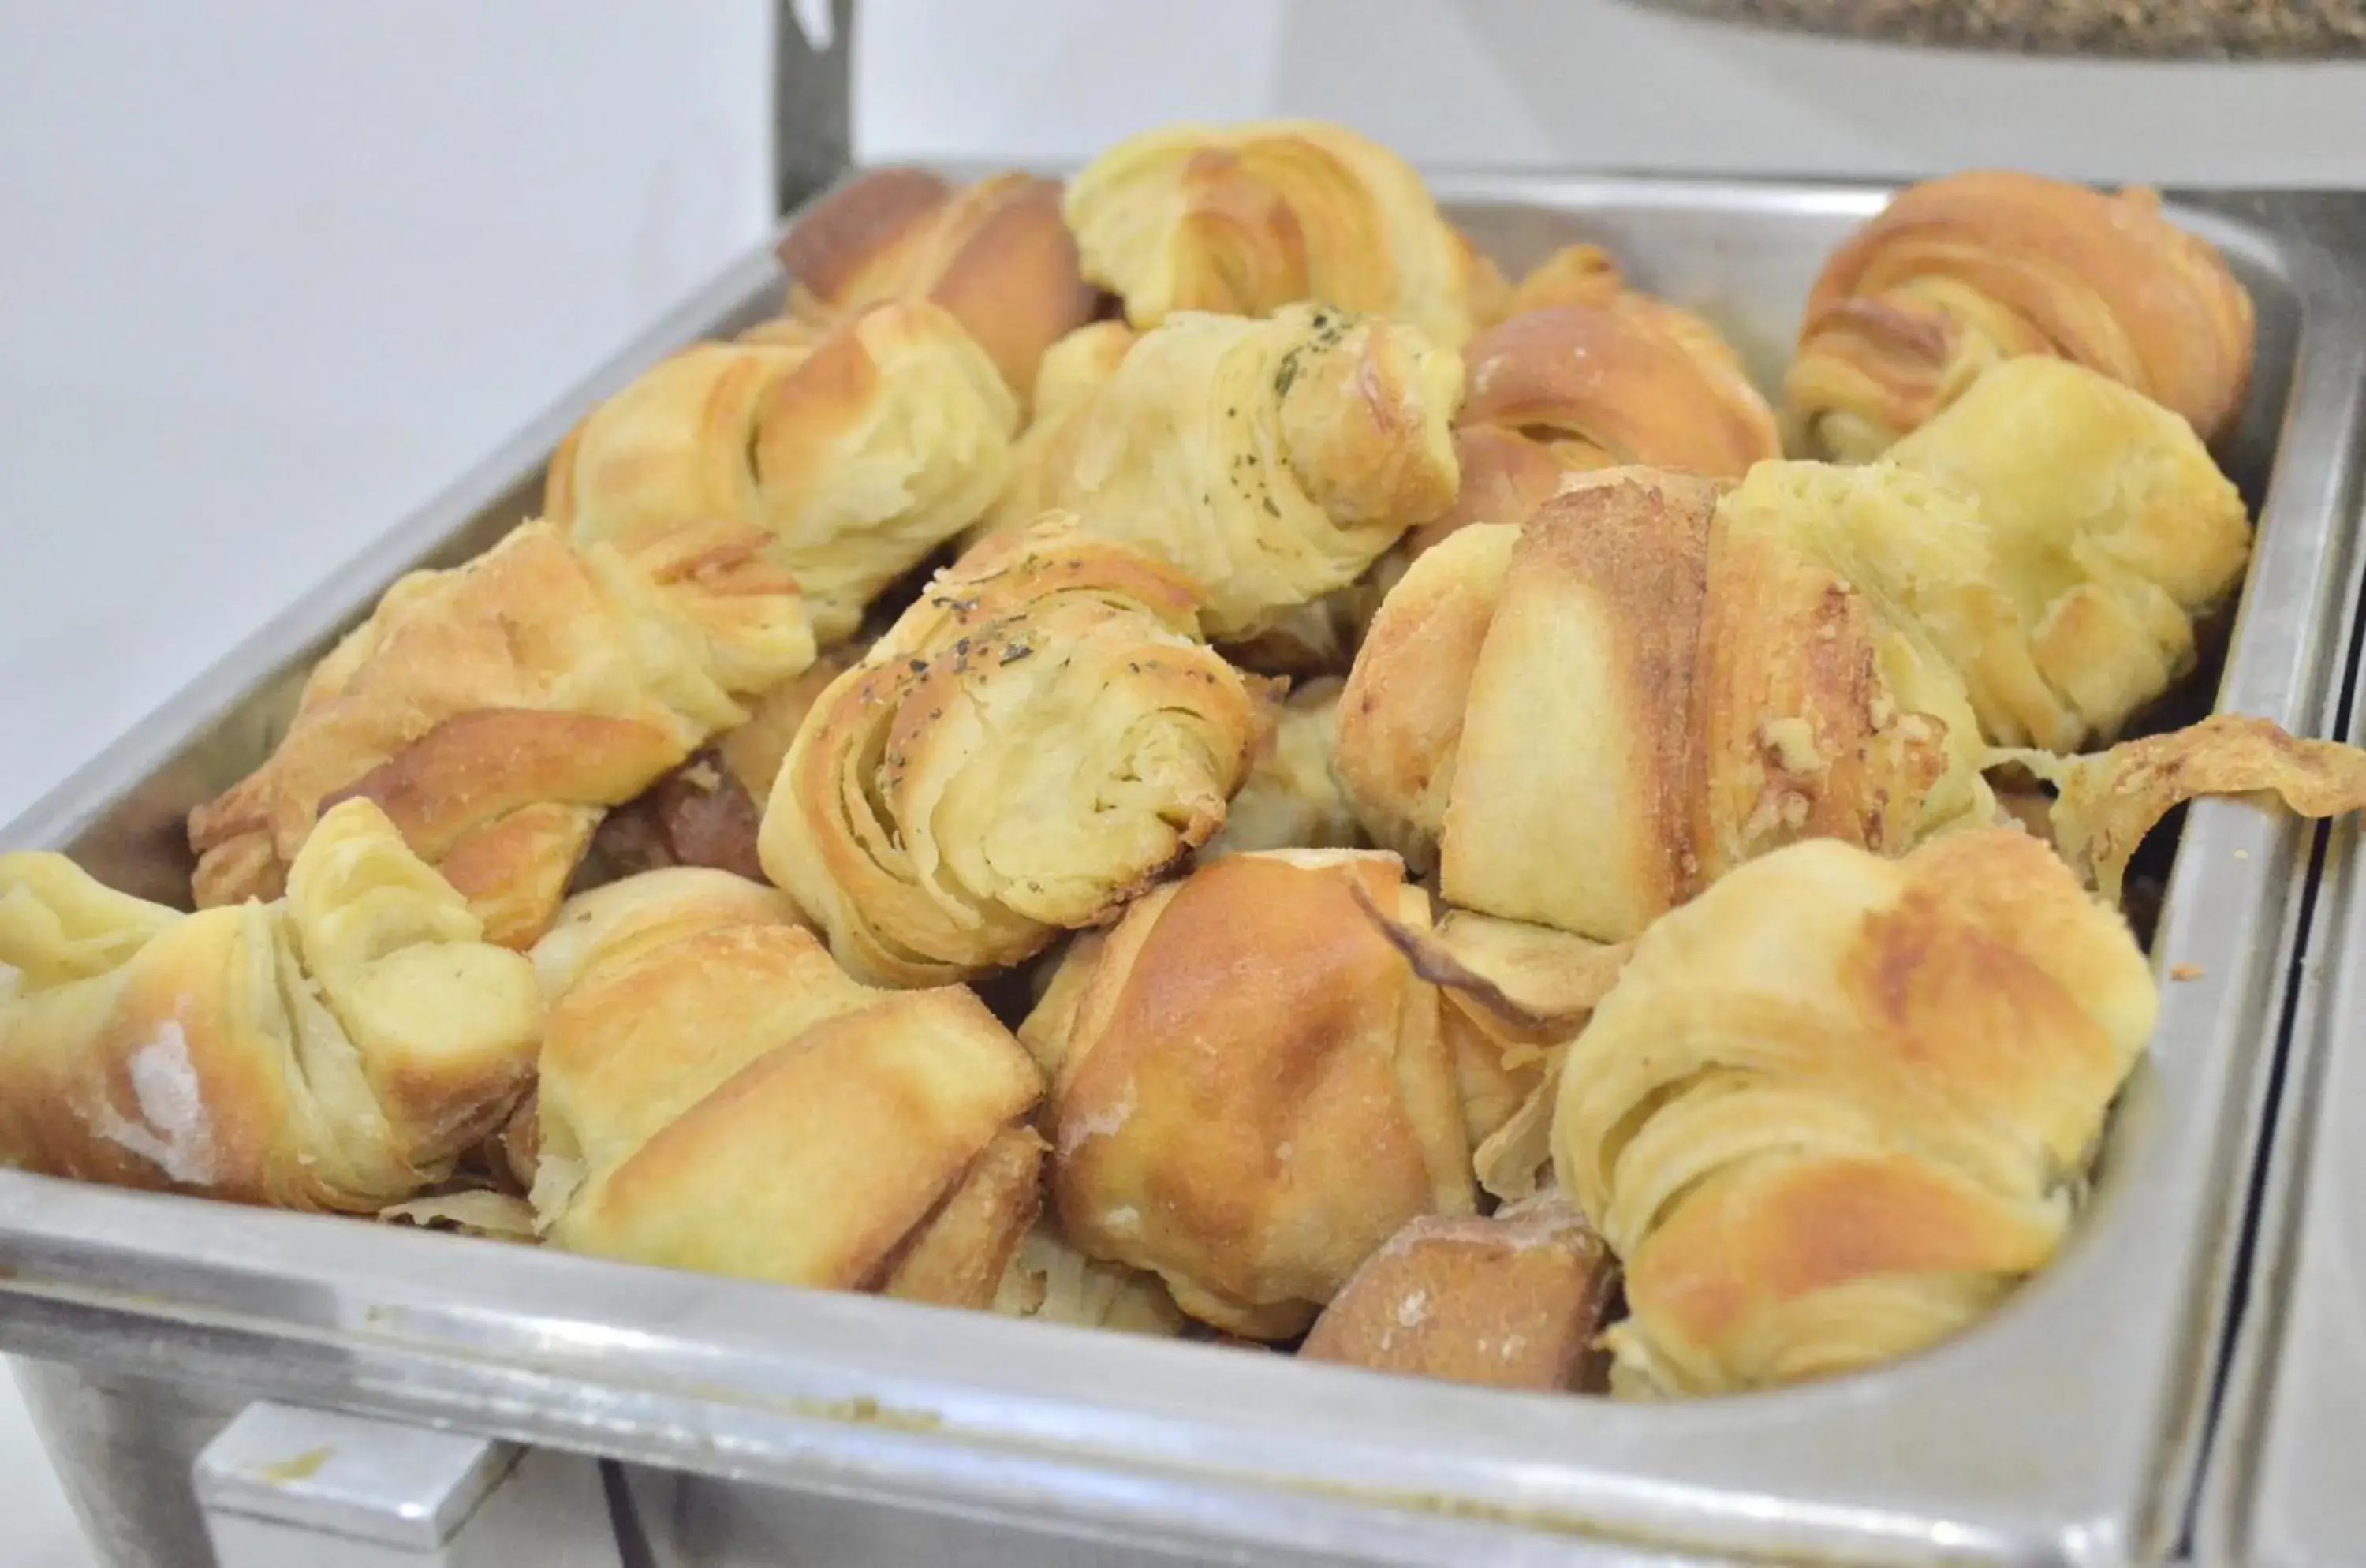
(1507, 1301)
(1838, 1105)
(1028, 748)
(1251, 1092)
(1561, 390)
(1957, 274)
(496, 710)
(1654, 694)
(1271, 461)
(336, 1049)
(1291, 798)
(1245, 221)
(856, 450)
(717, 1095)
(995, 255)
(2111, 530)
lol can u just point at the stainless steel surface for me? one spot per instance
(2283, 1489)
(813, 102)
(2064, 1428)
(2107, 29)
(349, 1475)
(123, 1444)
(286, 1486)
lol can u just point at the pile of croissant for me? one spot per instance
(1179, 753)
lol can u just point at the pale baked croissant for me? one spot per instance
(1247, 220)
(1838, 1105)
(1511, 1300)
(717, 1095)
(1051, 1282)
(337, 1049)
(1270, 460)
(1957, 274)
(2111, 530)
(1594, 716)
(996, 256)
(1251, 1090)
(1576, 386)
(1291, 798)
(496, 710)
(1028, 747)
(858, 449)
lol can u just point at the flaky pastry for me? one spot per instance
(995, 255)
(1251, 1089)
(1838, 1105)
(336, 1049)
(1031, 745)
(1958, 274)
(1291, 799)
(857, 449)
(1271, 461)
(717, 1095)
(1248, 220)
(496, 710)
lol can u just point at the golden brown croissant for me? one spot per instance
(1270, 460)
(2111, 531)
(1507, 1301)
(1245, 221)
(497, 709)
(717, 1095)
(1839, 1105)
(858, 450)
(1960, 272)
(1598, 715)
(1557, 391)
(337, 1049)
(1251, 1089)
(1028, 747)
(996, 256)
(1291, 798)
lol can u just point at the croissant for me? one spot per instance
(1243, 222)
(995, 255)
(1251, 1092)
(1051, 1282)
(1508, 1301)
(1960, 272)
(2113, 532)
(1595, 717)
(496, 709)
(717, 1095)
(1291, 799)
(1838, 1105)
(1573, 388)
(1271, 461)
(858, 450)
(1027, 748)
(336, 1049)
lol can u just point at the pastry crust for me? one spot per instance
(995, 255)
(494, 711)
(1245, 221)
(1958, 274)
(1031, 745)
(1839, 1105)
(336, 1049)
(856, 449)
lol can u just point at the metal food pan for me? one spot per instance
(2065, 1427)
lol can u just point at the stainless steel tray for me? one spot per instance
(2067, 1428)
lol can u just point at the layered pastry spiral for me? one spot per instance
(857, 448)
(1958, 274)
(338, 1048)
(996, 256)
(1031, 745)
(496, 710)
(1248, 220)
(1271, 461)
(716, 1094)
(1838, 1105)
